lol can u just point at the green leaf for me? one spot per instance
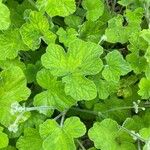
(57, 7)
(95, 9)
(73, 21)
(138, 63)
(116, 66)
(116, 32)
(61, 137)
(67, 37)
(105, 133)
(3, 139)
(54, 95)
(145, 34)
(31, 140)
(79, 87)
(144, 86)
(10, 44)
(105, 88)
(83, 58)
(12, 88)
(145, 133)
(4, 17)
(35, 29)
(55, 60)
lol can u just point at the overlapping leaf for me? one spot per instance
(12, 88)
(116, 66)
(57, 7)
(4, 16)
(61, 137)
(82, 59)
(35, 29)
(54, 95)
(10, 44)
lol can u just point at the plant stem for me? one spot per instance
(81, 145)
(62, 118)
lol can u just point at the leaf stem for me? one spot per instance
(62, 118)
(81, 145)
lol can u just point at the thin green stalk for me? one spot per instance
(81, 145)
(62, 119)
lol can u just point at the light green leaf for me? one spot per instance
(10, 44)
(12, 88)
(4, 17)
(116, 66)
(54, 95)
(105, 133)
(116, 32)
(145, 134)
(74, 127)
(144, 90)
(3, 139)
(105, 88)
(73, 21)
(95, 9)
(79, 87)
(145, 34)
(59, 136)
(55, 60)
(57, 7)
(67, 37)
(83, 58)
(138, 63)
(36, 29)
(31, 140)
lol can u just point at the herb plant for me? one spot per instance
(75, 74)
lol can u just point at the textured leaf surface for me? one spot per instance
(57, 7)
(144, 86)
(95, 9)
(59, 136)
(3, 139)
(31, 140)
(12, 88)
(80, 87)
(54, 96)
(104, 135)
(36, 29)
(116, 66)
(10, 44)
(4, 17)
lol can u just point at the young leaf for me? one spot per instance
(12, 88)
(79, 87)
(54, 95)
(10, 44)
(116, 66)
(57, 7)
(95, 9)
(83, 60)
(105, 133)
(144, 86)
(3, 139)
(61, 137)
(35, 29)
(31, 140)
(4, 17)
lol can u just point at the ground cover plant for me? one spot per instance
(75, 75)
